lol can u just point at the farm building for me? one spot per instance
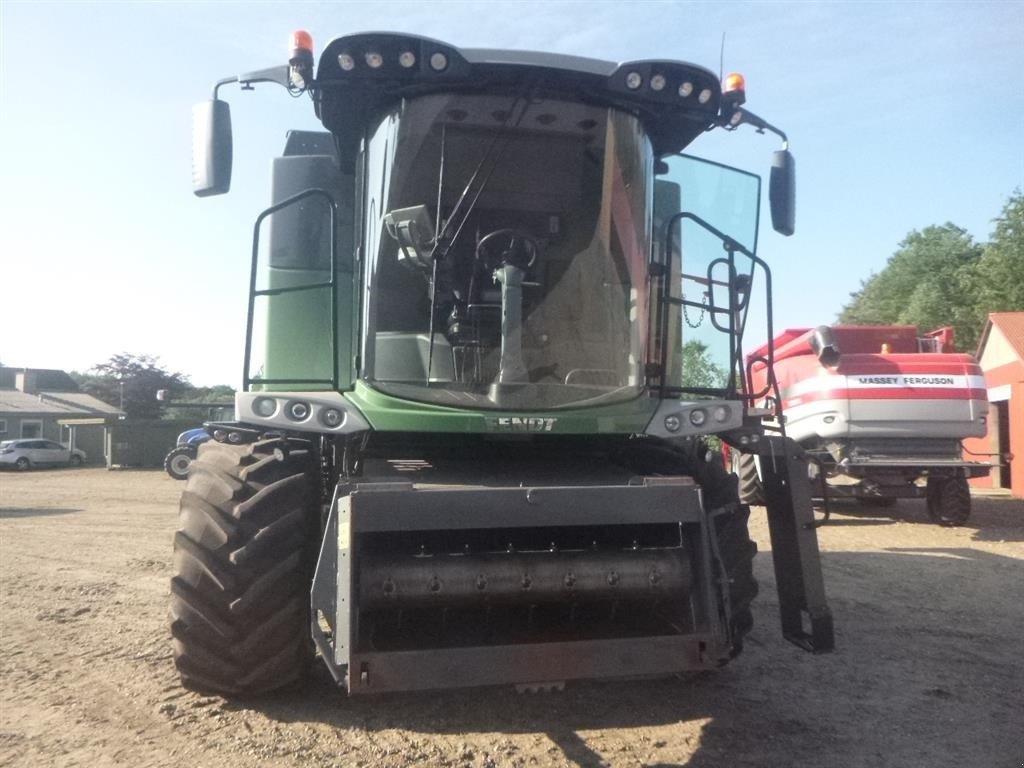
(46, 403)
(1001, 355)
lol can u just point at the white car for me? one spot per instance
(33, 452)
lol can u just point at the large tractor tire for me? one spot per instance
(243, 558)
(948, 500)
(745, 467)
(735, 548)
(729, 518)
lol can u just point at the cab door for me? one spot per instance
(706, 222)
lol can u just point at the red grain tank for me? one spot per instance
(881, 409)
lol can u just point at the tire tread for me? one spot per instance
(242, 560)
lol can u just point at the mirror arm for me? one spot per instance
(223, 81)
(279, 75)
(741, 116)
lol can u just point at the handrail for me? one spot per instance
(664, 271)
(332, 283)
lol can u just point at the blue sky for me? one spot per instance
(900, 115)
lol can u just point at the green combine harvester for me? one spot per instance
(495, 328)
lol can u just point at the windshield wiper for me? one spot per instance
(491, 157)
(443, 243)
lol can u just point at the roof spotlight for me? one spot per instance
(374, 60)
(734, 87)
(301, 40)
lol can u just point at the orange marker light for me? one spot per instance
(734, 82)
(301, 40)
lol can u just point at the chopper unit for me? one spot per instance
(496, 319)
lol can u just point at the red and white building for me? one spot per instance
(1001, 356)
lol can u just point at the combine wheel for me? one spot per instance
(178, 461)
(243, 560)
(948, 500)
(729, 520)
(734, 546)
(745, 467)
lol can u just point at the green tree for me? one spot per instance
(699, 370)
(200, 404)
(219, 393)
(131, 382)
(927, 282)
(999, 276)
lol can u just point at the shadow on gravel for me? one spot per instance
(854, 522)
(992, 518)
(997, 519)
(920, 645)
(10, 513)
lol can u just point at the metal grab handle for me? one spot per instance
(331, 283)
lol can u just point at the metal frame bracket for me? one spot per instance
(804, 612)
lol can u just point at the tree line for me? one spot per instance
(940, 276)
(131, 383)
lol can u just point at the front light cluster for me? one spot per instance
(698, 417)
(407, 60)
(298, 411)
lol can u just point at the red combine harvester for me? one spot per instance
(880, 411)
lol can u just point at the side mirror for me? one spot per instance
(211, 148)
(782, 192)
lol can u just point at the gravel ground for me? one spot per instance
(928, 671)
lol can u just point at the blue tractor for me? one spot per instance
(180, 458)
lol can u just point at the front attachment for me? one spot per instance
(431, 586)
(806, 617)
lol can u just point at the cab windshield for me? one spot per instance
(536, 295)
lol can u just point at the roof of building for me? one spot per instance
(44, 379)
(58, 403)
(1012, 326)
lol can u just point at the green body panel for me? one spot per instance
(298, 330)
(391, 414)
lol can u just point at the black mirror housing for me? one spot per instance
(782, 192)
(211, 148)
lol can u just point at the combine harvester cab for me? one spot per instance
(882, 411)
(471, 448)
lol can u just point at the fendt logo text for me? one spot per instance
(521, 424)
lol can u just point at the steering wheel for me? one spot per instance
(507, 246)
